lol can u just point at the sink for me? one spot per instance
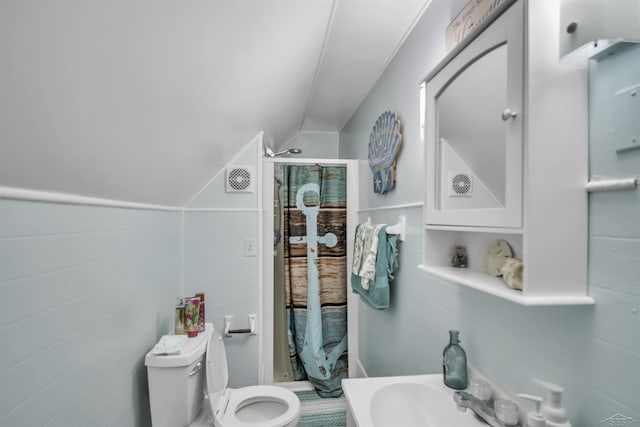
(403, 404)
(408, 401)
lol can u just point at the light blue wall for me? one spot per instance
(214, 194)
(614, 245)
(315, 145)
(423, 308)
(214, 263)
(85, 292)
(593, 351)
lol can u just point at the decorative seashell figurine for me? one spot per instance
(384, 143)
(496, 255)
(512, 273)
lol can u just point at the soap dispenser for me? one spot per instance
(551, 407)
(534, 418)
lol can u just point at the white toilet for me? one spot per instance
(176, 385)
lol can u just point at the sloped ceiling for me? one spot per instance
(145, 101)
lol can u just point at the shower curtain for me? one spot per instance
(316, 274)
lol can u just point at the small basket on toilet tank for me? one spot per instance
(176, 382)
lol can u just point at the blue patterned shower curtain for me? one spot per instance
(316, 274)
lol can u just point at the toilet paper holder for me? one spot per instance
(251, 330)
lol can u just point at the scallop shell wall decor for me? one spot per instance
(384, 143)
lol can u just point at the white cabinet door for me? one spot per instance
(474, 131)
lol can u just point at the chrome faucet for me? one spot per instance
(485, 412)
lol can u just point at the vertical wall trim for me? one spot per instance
(352, 299)
(182, 249)
(265, 335)
(260, 215)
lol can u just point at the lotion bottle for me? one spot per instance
(551, 408)
(534, 418)
(179, 323)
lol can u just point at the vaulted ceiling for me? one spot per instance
(146, 100)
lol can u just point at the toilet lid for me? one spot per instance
(217, 369)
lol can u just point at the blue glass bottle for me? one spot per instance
(454, 364)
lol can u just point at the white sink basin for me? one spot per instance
(403, 404)
(407, 401)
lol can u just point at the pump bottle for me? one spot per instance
(534, 418)
(551, 408)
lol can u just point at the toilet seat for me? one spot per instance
(226, 414)
(260, 402)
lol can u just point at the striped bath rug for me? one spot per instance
(319, 411)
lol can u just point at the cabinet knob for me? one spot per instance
(508, 114)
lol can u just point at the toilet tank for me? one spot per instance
(176, 383)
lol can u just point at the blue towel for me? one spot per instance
(377, 296)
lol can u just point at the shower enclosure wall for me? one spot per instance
(275, 363)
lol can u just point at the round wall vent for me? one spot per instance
(239, 179)
(460, 184)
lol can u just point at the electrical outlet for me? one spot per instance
(250, 249)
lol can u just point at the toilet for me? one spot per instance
(177, 391)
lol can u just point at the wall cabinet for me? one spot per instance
(474, 148)
(505, 130)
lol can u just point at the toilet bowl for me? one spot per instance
(260, 405)
(177, 382)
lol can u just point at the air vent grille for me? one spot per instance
(460, 184)
(239, 179)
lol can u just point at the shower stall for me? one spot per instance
(309, 313)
